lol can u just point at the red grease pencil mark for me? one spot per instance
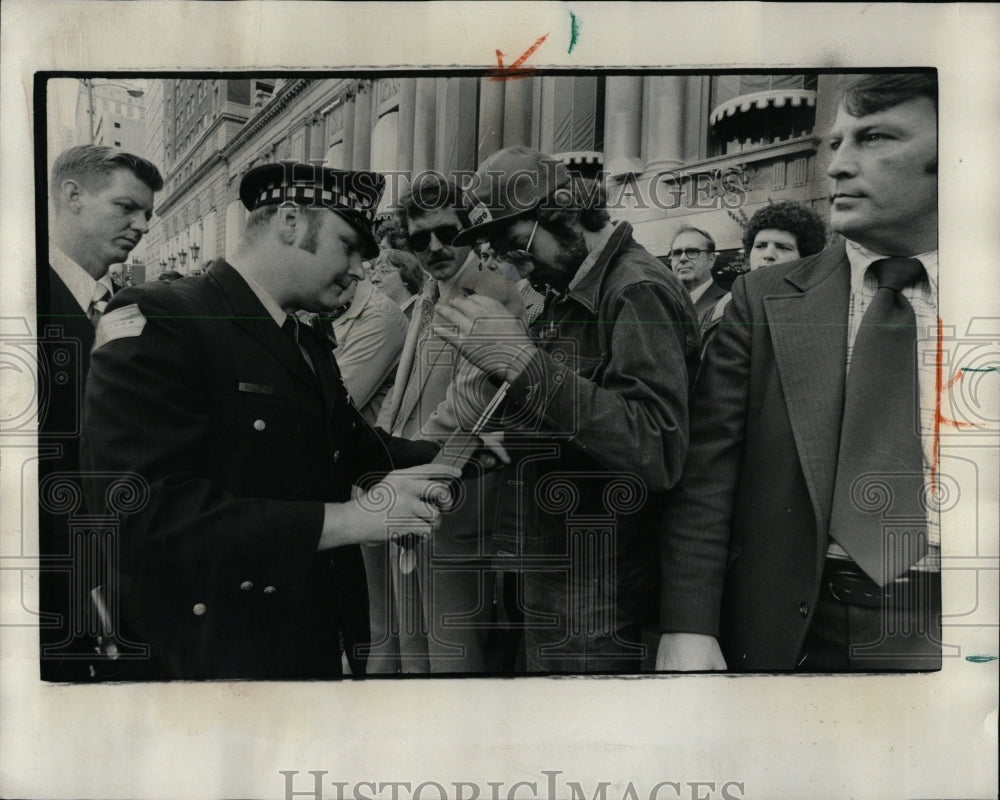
(517, 69)
(940, 419)
(938, 357)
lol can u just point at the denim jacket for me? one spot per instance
(598, 421)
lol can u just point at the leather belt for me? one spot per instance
(846, 583)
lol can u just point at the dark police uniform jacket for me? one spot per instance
(66, 336)
(234, 445)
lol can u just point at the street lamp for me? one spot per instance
(184, 257)
(194, 253)
(172, 259)
(89, 83)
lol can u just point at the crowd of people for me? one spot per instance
(496, 434)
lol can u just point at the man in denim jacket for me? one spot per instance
(596, 416)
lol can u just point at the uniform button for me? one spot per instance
(199, 609)
(259, 424)
(269, 590)
(336, 455)
(246, 586)
(804, 609)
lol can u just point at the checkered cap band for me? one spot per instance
(277, 193)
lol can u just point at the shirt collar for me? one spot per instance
(698, 291)
(861, 258)
(79, 282)
(413, 298)
(270, 304)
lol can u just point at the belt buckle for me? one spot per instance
(850, 590)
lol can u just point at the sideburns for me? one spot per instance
(310, 242)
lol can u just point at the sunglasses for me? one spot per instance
(445, 234)
(515, 257)
(690, 252)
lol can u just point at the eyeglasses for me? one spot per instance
(517, 256)
(421, 240)
(383, 269)
(690, 252)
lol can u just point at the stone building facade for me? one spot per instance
(700, 149)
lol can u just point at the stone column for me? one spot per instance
(405, 131)
(348, 146)
(623, 124)
(664, 116)
(424, 123)
(517, 112)
(491, 117)
(362, 145)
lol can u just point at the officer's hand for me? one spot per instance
(406, 501)
(689, 652)
(486, 334)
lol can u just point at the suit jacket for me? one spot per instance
(706, 303)
(65, 336)
(64, 323)
(235, 445)
(747, 526)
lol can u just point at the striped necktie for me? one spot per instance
(99, 302)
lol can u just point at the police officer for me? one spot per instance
(230, 425)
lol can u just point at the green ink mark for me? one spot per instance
(980, 659)
(574, 30)
(980, 369)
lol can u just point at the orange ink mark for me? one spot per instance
(938, 380)
(940, 419)
(517, 69)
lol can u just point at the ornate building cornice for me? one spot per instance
(266, 115)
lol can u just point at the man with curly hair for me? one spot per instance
(782, 232)
(777, 233)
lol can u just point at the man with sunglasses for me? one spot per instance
(596, 412)
(409, 590)
(692, 256)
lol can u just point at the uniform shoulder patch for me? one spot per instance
(120, 323)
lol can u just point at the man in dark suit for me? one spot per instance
(238, 553)
(692, 256)
(795, 538)
(101, 203)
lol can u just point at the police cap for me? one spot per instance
(352, 195)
